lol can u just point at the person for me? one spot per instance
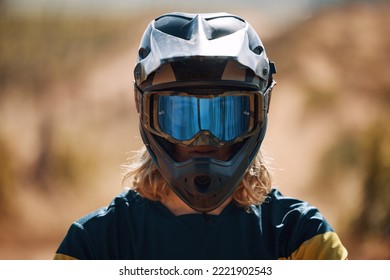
(200, 185)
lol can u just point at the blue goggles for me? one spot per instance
(181, 117)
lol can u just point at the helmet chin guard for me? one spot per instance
(203, 183)
(206, 56)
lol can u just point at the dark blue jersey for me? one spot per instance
(132, 227)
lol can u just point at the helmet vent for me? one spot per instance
(186, 26)
(202, 183)
(143, 52)
(258, 50)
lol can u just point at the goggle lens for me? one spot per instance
(225, 117)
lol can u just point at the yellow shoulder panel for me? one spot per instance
(63, 257)
(326, 246)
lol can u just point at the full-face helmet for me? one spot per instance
(202, 80)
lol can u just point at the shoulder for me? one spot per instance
(121, 204)
(284, 210)
(276, 199)
(302, 230)
(103, 233)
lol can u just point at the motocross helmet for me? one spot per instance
(202, 79)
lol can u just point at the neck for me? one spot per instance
(178, 207)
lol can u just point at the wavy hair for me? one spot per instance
(148, 182)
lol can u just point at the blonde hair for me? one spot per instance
(148, 181)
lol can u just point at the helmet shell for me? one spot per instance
(177, 36)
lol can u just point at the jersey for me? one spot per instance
(133, 227)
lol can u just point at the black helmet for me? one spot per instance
(202, 79)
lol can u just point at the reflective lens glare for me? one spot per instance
(225, 117)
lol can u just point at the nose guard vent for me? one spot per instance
(202, 183)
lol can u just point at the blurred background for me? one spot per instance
(68, 122)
